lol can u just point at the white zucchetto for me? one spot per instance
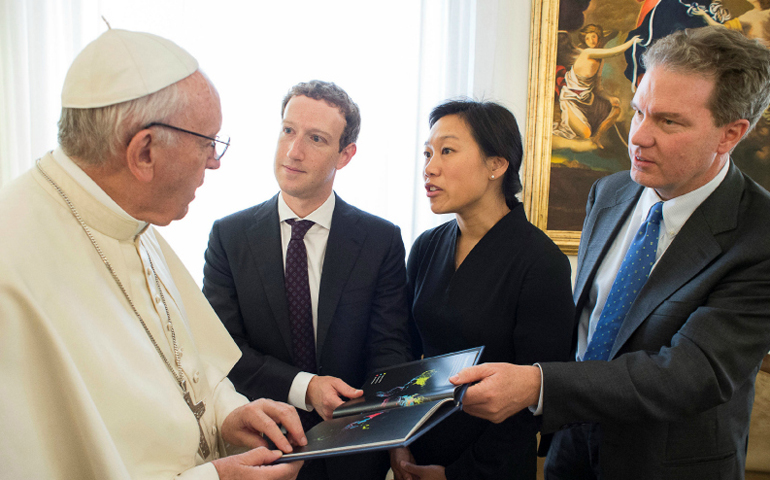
(120, 66)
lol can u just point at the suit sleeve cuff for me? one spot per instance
(538, 410)
(298, 391)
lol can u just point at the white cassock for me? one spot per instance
(84, 393)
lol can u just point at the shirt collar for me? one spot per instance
(92, 187)
(321, 216)
(678, 210)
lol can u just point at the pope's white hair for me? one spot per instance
(96, 135)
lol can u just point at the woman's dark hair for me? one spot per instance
(496, 132)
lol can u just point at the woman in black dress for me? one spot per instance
(489, 278)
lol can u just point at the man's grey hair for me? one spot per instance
(334, 96)
(740, 68)
(96, 135)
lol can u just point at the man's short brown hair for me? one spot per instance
(334, 96)
(740, 68)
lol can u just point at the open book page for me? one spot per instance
(410, 384)
(378, 430)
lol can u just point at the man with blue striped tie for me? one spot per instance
(673, 285)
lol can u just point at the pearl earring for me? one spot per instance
(493, 177)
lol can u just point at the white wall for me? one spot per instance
(478, 48)
(501, 67)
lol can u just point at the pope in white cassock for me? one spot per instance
(112, 363)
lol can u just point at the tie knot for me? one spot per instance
(299, 228)
(656, 213)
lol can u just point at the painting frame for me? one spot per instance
(540, 102)
(557, 184)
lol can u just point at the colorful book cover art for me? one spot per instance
(324, 435)
(423, 377)
(391, 398)
(410, 384)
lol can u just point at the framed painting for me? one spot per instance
(584, 68)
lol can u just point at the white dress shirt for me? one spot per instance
(316, 239)
(676, 212)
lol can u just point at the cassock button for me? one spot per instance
(157, 298)
(196, 377)
(168, 326)
(149, 272)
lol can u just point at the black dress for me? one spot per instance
(512, 294)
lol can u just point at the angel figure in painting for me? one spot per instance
(586, 110)
(755, 23)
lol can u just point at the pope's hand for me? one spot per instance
(324, 393)
(245, 425)
(255, 464)
(502, 390)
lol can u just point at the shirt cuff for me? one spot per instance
(298, 391)
(539, 409)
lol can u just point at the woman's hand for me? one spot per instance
(423, 472)
(398, 455)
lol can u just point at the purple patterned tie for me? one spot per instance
(298, 296)
(300, 307)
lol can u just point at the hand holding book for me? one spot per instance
(324, 393)
(499, 390)
(398, 405)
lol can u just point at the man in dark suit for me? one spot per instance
(309, 332)
(663, 384)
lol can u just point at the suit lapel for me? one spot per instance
(603, 231)
(694, 247)
(346, 238)
(264, 236)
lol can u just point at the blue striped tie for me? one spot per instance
(634, 270)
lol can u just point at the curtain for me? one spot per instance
(396, 59)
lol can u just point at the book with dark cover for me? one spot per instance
(399, 404)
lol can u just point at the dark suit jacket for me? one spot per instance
(362, 312)
(675, 399)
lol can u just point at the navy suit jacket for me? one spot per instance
(674, 401)
(362, 313)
